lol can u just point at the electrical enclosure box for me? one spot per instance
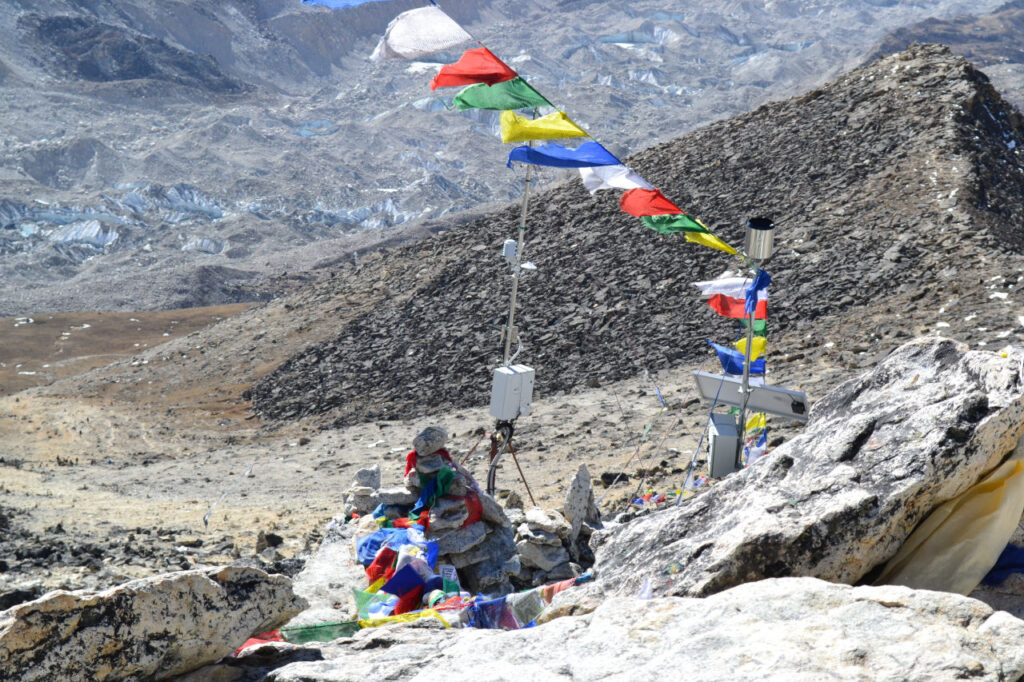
(511, 392)
(723, 445)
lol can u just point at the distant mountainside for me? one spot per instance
(205, 147)
(898, 194)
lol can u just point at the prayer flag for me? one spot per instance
(760, 326)
(735, 308)
(756, 348)
(478, 65)
(709, 240)
(612, 177)
(761, 281)
(733, 287)
(732, 361)
(511, 94)
(551, 127)
(754, 452)
(672, 224)
(419, 32)
(646, 202)
(587, 154)
(756, 422)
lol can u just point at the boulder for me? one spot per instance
(397, 495)
(329, 575)
(499, 545)
(493, 512)
(448, 513)
(538, 536)
(879, 453)
(548, 520)
(153, 628)
(781, 629)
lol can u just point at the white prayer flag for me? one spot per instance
(418, 33)
(612, 177)
(733, 287)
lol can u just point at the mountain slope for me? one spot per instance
(898, 192)
(232, 136)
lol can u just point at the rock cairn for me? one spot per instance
(508, 548)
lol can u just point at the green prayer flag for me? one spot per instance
(672, 223)
(760, 326)
(510, 94)
(324, 632)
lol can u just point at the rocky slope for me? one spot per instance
(897, 194)
(204, 148)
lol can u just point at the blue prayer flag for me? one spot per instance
(760, 283)
(587, 155)
(732, 360)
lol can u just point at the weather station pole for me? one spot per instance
(517, 266)
(758, 244)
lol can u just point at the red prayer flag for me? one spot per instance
(641, 202)
(478, 65)
(727, 306)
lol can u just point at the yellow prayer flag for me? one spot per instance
(376, 585)
(756, 422)
(709, 240)
(756, 349)
(551, 127)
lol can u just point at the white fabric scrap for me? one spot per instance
(612, 177)
(733, 287)
(418, 33)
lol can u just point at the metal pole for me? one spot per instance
(510, 329)
(745, 390)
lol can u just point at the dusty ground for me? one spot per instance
(125, 461)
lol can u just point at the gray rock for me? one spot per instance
(328, 577)
(155, 627)
(579, 503)
(491, 576)
(782, 629)
(880, 452)
(537, 537)
(461, 540)
(397, 495)
(448, 513)
(368, 477)
(559, 572)
(543, 557)
(362, 491)
(499, 546)
(430, 464)
(548, 520)
(493, 512)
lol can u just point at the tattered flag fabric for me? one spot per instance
(551, 127)
(760, 326)
(757, 348)
(733, 287)
(756, 422)
(646, 202)
(761, 281)
(478, 65)
(588, 154)
(735, 308)
(419, 32)
(511, 94)
(732, 361)
(612, 177)
(709, 240)
(672, 224)
(756, 451)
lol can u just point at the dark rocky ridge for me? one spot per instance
(897, 190)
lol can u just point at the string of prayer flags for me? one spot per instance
(612, 177)
(511, 94)
(554, 126)
(478, 65)
(646, 202)
(732, 360)
(761, 281)
(757, 348)
(588, 154)
(756, 422)
(735, 308)
(419, 32)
